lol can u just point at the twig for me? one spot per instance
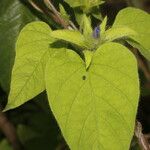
(45, 11)
(51, 7)
(61, 146)
(72, 25)
(147, 136)
(56, 13)
(142, 65)
(143, 142)
(9, 131)
(66, 24)
(35, 6)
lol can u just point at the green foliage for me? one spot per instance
(89, 7)
(72, 36)
(32, 53)
(84, 3)
(35, 125)
(93, 94)
(87, 112)
(118, 33)
(88, 58)
(139, 21)
(4, 145)
(86, 26)
(13, 16)
(63, 12)
(103, 25)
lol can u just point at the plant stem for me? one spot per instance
(10, 132)
(54, 14)
(143, 142)
(72, 25)
(64, 23)
(35, 6)
(142, 65)
(57, 14)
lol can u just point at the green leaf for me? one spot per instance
(85, 3)
(72, 36)
(97, 14)
(4, 145)
(74, 3)
(13, 16)
(139, 21)
(118, 33)
(103, 25)
(84, 41)
(88, 57)
(32, 53)
(86, 26)
(92, 3)
(95, 108)
(63, 12)
(140, 47)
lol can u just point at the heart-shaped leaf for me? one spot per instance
(138, 21)
(32, 53)
(95, 108)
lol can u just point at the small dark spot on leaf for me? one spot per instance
(84, 77)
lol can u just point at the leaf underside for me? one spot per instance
(74, 37)
(139, 21)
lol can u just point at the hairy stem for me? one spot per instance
(142, 65)
(35, 6)
(143, 142)
(56, 13)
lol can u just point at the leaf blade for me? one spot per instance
(87, 121)
(74, 37)
(119, 33)
(32, 53)
(139, 21)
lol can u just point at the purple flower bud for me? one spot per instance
(96, 32)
